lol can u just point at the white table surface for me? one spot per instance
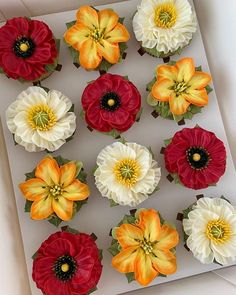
(217, 21)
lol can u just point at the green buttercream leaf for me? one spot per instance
(198, 69)
(138, 116)
(208, 89)
(28, 205)
(82, 176)
(92, 290)
(70, 230)
(113, 203)
(150, 84)
(100, 254)
(79, 166)
(70, 24)
(121, 20)
(55, 220)
(35, 255)
(30, 175)
(151, 100)
(130, 277)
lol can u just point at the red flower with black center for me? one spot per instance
(197, 156)
(67, 264)
(111, 103)
(26, 47)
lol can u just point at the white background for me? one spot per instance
(218, 23)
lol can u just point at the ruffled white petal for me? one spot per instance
(59, 103)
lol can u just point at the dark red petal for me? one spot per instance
(118, 117)
(60, 247)
(85, 267)
(15, 65)
(56, 287)
(42, 270)
(8, 35)
(39, 32)
(124, 127)
(173, 153)
(21, 24)
(41, 55)
(36, 73)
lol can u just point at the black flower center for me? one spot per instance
(24, 47)
(198, 157)
(65, 267)
(110, 102)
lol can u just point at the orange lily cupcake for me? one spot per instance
(96, 39)
(55, 190)
(143, 246)
(179, 90)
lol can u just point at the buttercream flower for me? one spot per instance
(55, 191)
(196, 157)
(164, 27)
(67, 263)
(41, 120)
(96, 36)
(111, 103)
(210, 226)
(28, 50)
(179, 91)
(126, 173)
(144, 247)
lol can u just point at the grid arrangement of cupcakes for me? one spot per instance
(143, 243)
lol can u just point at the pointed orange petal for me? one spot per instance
(178, 105)
(107, 19)
(129, 235)
(68, 173)
(48, 170)
(168, 239)
(33, 189)
(161, 90)
(41, 208)
(199, 80)
(111, 52)
(89, 56)
(167, 72)
(197, 97)
(118, 34)
(186, 69)
(124, 262)
(63, 208)
(149, 222)
(164, 262)
(76, 35)
(87, 16)
(76, 191)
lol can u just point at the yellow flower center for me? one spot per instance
(97, 34)
(127, 172)
(165, 15)
(146, 246)
(55, 191)
(24, 47)
(196, 157)
(65, 267)
(180, 87)
(219, 231)
(41, 117)
(111, 102)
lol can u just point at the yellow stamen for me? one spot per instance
(196, 157)
(146, 246)
(65, 267)
(165, 15)
(97, 34)
(111, 102)
(24, 47)
(218, 231)
(127, 172)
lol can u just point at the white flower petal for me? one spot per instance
(59, 103)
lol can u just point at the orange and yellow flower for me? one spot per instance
(181, 85)
(54, 189)
(146, 247)
(96, 35)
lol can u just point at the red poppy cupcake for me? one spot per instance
(68, 261)
(195, 158)
(28, 51)
(111, 104)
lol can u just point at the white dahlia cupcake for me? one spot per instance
(126, 173)
(41, 119)
(164, 27)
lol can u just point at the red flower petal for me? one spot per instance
(8, 35)
(22, 25)
(125, 126)
(61, 288)
(173, 153)
(40, 32)
(41, 55)
(42, 270)
(118, 117)
(59, 247)
(84, 272)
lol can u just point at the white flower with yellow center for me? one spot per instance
(41, 120)
(211, 230)
(164, 25)
(126, 173)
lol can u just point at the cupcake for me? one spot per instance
(111, 104)
(210, 230)
(126, 173)
(164, 27)
(179, 90)
(96, 39)
(55, 190)
(195, 158)
(29, 51)
(41, 119)
(68, 262)
(143, 246)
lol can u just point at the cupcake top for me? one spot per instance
(164, 27)
(111, 104)
(29, 51)
(68, 261)
(143, 246)
(195, 158)
(96, 38)
(55, 189)
(126, 173)
(41, 119)
(210, 230)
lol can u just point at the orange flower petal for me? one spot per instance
(168, 239)
(41, 209)
(111, 52)
(63, 208)
(68, 173)
(33, 189)
(76, 35)
(178, 105)
(167, 72)
(124, 262)
(197, 97)
(199, 80)
(118, 34)
(186, 69)
(89, 57)
(87, 16)
(145, 273)
(129, 235)
(48, 170)
(164, 262)
(107, 19)
(161, 90)
(76, 191)
(149, 222)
